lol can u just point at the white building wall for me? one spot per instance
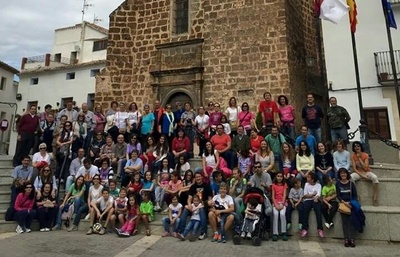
(7, 95)
(370, 37)
(52, 87)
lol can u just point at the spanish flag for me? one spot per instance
(352, 15)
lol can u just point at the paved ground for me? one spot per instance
(62, 243)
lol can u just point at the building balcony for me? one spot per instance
(384, 68)
(46, 60)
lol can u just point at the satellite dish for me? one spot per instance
(77, 48)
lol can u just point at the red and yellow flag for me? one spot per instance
(352, 15)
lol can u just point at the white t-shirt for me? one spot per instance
(133, 117)
(202, 122)
(310, 189)
(37, 157)
(175, 209)
(103, 203)
(95, 193)
(210, 160)
(120, 119)
(226, 201)
(93, 170)
(121, 203)
(233, 113)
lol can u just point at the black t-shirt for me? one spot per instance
(203, 191)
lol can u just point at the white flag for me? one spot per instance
(333, 10)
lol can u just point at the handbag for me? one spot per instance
(344, 209)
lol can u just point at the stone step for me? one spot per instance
(6, 160)
(4, 204)
(6, 170)
(388, 189)
(5, 196)
(6, 178)
(382, 223)
(385, 170)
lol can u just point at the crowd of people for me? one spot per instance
(123, 165)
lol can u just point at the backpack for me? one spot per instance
(67, 212)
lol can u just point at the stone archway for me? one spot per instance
(178, 97)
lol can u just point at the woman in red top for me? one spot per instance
(255, 141)
(148, 157)
(181, 145)
(23, 206)
(135, 185)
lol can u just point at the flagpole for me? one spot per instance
(357, 73)
(363, 129)
(391, 54)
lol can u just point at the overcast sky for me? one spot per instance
(27, 27)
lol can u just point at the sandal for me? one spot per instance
(148, 232)
(134, 232)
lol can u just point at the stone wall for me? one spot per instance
(239, 48)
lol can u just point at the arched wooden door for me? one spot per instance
(178, 97)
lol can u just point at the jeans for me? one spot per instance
(24, 218)
(159, 195)
(224, 216)
(46, 216)
(329, 214)
(347, 226)
(69, 182)
(320, 176)
(289, 210)
(167, 223)
(203, 220)
(339, 133)
(316, 133)
(193, 226)
(307, 205)
(80, 207)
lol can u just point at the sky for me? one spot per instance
(27, 26)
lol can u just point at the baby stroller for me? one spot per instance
(264, 206)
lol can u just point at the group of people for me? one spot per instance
(147, 154)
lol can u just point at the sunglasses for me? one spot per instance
(42, 148)
(67, 125)
(29, 187)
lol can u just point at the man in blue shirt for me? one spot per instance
(312, 143)
(21, 174)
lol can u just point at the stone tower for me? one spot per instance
(210, 50)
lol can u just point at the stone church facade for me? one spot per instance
(210, 50)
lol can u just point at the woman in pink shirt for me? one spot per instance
(246, 118)
(100, 119)
(23, 206)
(173, 188)
(286, 116)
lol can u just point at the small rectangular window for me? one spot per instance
(100, 45)
(3, 83)
(57, 57)
(34, 81)
(94, 72)
(70, 75)
(181, 16)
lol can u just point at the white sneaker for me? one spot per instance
(248, 235)
(28, 230)
(243, 235)
(42, 230)
(47, 229)
(327, 225)
(19, 230)
(87, 216)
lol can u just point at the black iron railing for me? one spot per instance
(384, 67)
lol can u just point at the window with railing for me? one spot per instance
(181, 16)
(34, 81)
(383, 65)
